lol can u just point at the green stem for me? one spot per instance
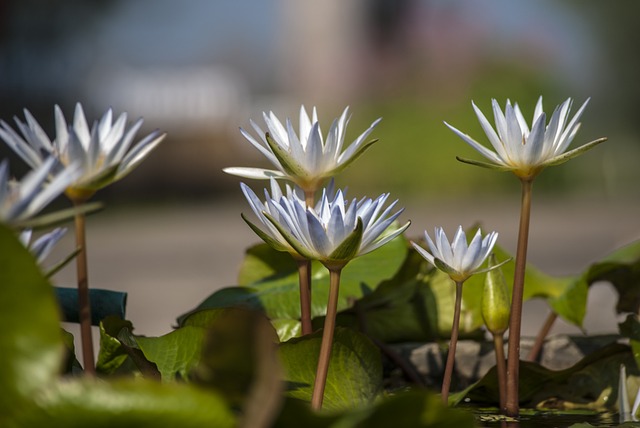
(501, 368)
(448, 371)
(513, 359)
(304, 274)
(84, 305)
(542, 335)
(327, 339)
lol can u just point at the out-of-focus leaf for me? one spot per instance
(126, 403)
(103, 304)
(419, 409)
(71, 365)
(230, 353)
(31, 346)
(622, 269)
(355, 369)
(589, 384)
(276, 286)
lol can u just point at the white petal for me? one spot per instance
(258, 173)
(492, 156)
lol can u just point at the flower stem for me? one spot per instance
(448, 371)
(84, 305)
(327, 340)
(542, 334)
(501, 368)
(513, 359)
(304, 274)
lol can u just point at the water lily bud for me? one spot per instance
(495, 300)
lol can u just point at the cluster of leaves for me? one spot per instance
(237, 360)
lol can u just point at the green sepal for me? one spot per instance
(288, 162)
(446, 268)
(575, 152)
(490, 268)
(353, 157)
(273, 243)
(487, 165)
(348, 249)
(295, 244)
(58, 217)
(103, 179)
(62, 263)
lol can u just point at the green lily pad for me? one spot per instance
(269, 281)
(355, 369)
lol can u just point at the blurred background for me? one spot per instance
(198, 70)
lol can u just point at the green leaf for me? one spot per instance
(31, 346)
(589, 384)
(355, 369)
(175, 353)
(126, 403)
(277, 294)
(71, 365)
(537, 284)
(416, 409)
(117, 354)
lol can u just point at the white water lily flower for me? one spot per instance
(42, 246)
(458, 260)
(21, 200)
(271, 236)
(335, 231)
(104, 151)
(304, 158)
(526, 151)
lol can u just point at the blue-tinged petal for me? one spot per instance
(500, 121)
(534, 146)
(424, 253)
(104, 125)
(297, 147)
(521, 121)
(94, 150)
(515, 139)
(571, 130)
(114, 134)
(335, 226)
(490, 132)
(321, 244)
(492, 156)
(43, 246)
(355, 147)
(40, 138)
(139, 153)
(443, 245)
(538, 110)
(473, 253)
(120, 148)
(313, 155)
(277, 130)
(387, 236)
(4, 181)
(341, 127)
(258, 173)
(28, 154)
(254, 202)
(81, 127)
(305, 123)
(459, 248)
(62, 131)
